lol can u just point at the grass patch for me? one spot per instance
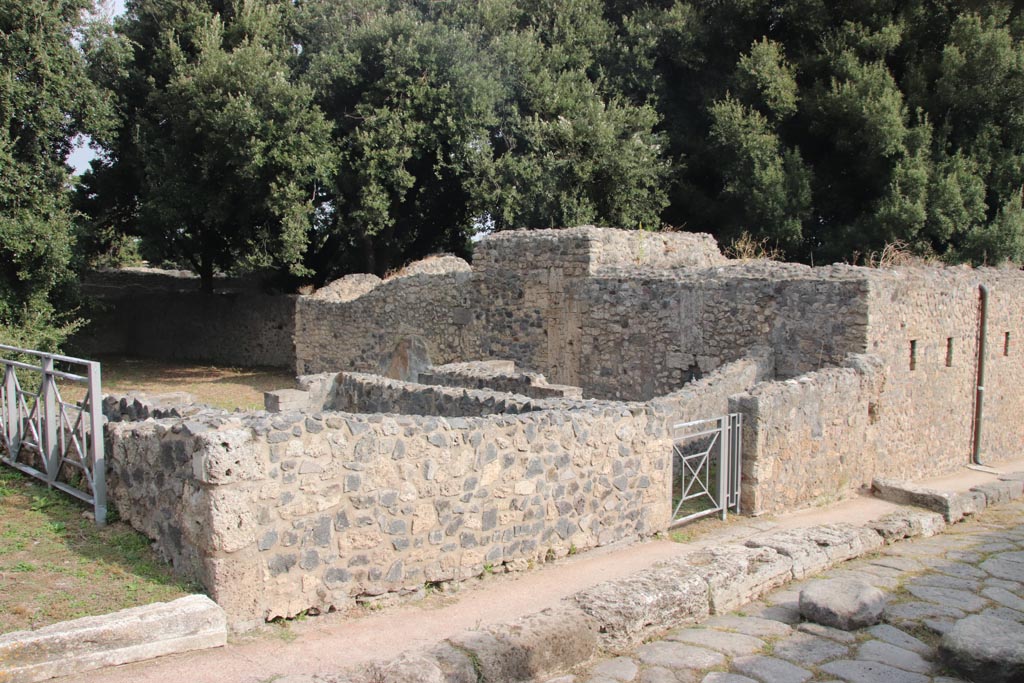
(220, 387)
(56, 564)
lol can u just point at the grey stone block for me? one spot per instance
(817, 548)
(998, 492)
(70, 647)
(897, 526)
(535, 646)
(737, 575)
(647, 602)
(983, 648)
(952, 506)
(842, 603)
(285, 400)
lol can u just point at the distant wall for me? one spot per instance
(164, 316)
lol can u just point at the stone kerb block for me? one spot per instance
(737, 575)
(998, 492)
(952, 506)
(72, 647)
(630, 609)
(533, 647)
(902, 524)
(817, 548)
(846, 604)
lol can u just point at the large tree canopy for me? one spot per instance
(46, 99)
(328, 136)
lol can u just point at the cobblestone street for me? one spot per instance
(976, 567)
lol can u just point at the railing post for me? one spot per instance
(13, 425)
(50, 421)
(723, 465)
(99, 465)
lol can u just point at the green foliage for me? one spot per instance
(45, 100)
(331, 136)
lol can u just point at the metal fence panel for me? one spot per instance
(706, 467)
(47, 437)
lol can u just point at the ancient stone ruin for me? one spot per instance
(456, 420)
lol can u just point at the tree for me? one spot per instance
(46, 99)
(229, 153)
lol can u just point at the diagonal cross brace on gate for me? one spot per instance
(706, 467)
(51, 439)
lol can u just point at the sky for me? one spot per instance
(82, 155)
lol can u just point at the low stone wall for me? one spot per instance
(280, 514)
(497, 376)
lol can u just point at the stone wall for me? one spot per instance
(162, 315)
(905, 411)
(278, 513)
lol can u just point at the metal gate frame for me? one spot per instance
(724, 446)
(42, 435)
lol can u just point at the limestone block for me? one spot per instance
(984, 648)
(131, 635)
(646, 602)
(737, 575)
(817, 548)
(846, 604)
(902, 524)
(952, 506)
(225, 456)
(998, 492)
(286, 400)
(534, 647)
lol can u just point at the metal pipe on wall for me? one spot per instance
(979, 394)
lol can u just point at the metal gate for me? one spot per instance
(56, 440)
(706, 467)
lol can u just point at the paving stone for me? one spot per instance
(660, 674)
(751, 626)
(827, 632)
(944, 581)
(719, 677)
(1004, 597)
(785, 615)
(903, 564)
(994, 547)
(678, 656)
(968, 556)
(877, 651)
(960, 569)
(770, 669)
(597, 679)
(947, 679)
(985, 649)
(949, 597)
(1001, 612)
(1002, 567)
(842, 603)
(879, 581)
(618, 669)
(808, 650)
(731, 644)
(1012, 586)
(938, 625)
(871, 672)
(920, 611)
(894, 636)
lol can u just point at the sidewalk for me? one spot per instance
(330, 643)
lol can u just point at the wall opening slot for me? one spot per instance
(949, 352)
(1006, 344)
(913, 354)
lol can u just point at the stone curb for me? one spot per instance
(191, 623)
(617, 615)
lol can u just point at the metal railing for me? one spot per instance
(706, 467)
(47, 437)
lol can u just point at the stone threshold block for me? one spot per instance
(69, 647)
(952, 506)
